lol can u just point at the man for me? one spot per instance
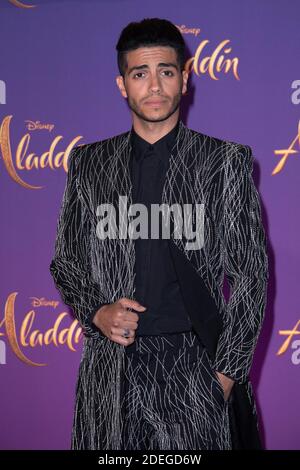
(166, 360)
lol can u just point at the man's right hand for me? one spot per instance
(112, 319)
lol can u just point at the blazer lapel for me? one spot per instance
(179, 188)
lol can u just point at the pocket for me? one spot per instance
(216, 386)
(219, 385)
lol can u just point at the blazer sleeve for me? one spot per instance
(245, 265)
(70, 265)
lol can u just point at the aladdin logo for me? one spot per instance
(19, 4)
(42, 302)
(213, 64)
(184, 30)
(28, 161)
(2, 92)
(295, 345)
(29, 336)
(38, 126)
(287, 152)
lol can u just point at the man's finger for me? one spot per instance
(131, 317)
(128, 303)
(120, 340)
(121, 331)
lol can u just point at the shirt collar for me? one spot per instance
(166, 143)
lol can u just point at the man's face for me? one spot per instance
(153, 82)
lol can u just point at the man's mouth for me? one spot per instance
(154, 102)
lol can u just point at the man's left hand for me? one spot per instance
(226, 383)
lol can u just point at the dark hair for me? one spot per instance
(149, 32)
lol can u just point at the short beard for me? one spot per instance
(175, 105)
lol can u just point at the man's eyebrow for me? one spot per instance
(145, 66)
(168, 64)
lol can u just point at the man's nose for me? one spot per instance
(155, 85)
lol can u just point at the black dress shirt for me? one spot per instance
(156, 284)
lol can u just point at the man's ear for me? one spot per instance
(185, 76)
(121, 86)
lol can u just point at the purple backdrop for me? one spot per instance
(57, 87)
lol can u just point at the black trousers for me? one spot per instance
(171, 397)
